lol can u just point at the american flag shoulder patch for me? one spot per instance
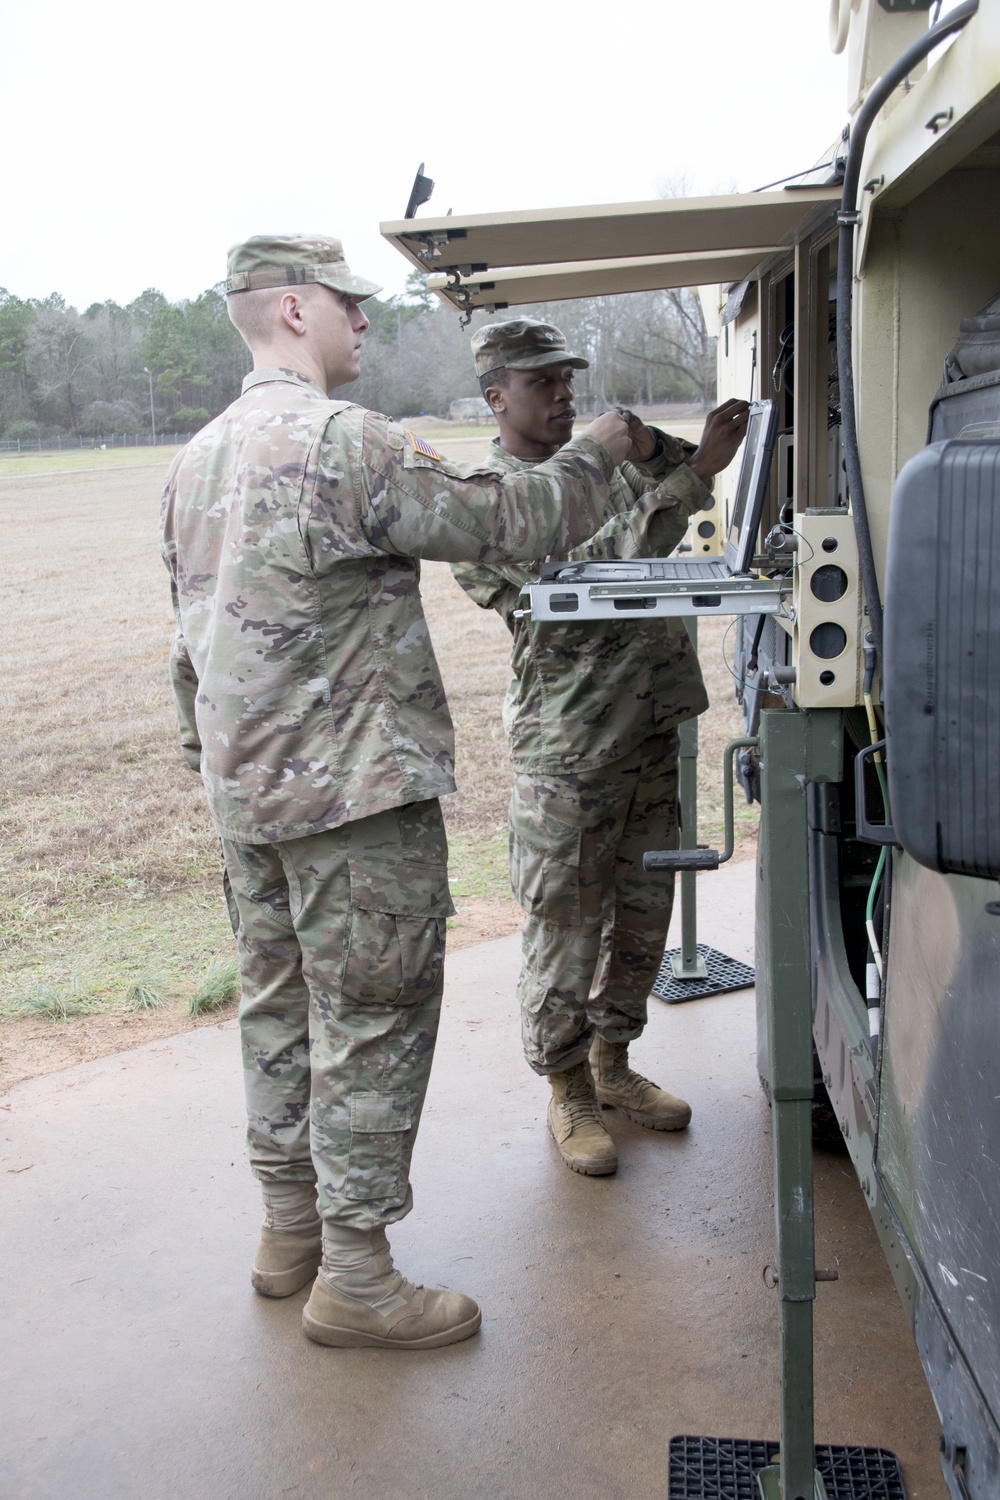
(419, 446)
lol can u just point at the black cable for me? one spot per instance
(848, 219)
(754, 649)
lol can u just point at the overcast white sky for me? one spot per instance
(141, 141)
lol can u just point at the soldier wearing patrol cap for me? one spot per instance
(310, 701)
(592, 716)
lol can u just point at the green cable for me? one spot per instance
(870, 906)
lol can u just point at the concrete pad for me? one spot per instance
(137, 1364)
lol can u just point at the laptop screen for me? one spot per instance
(751, 485)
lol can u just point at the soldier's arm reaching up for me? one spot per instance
(421, 506)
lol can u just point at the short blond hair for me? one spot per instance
(255, 314)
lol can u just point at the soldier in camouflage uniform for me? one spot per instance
(592, 715)
(311, 703)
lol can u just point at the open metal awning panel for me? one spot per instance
(543, 255)
(595, 278)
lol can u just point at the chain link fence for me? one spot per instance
(116, 440)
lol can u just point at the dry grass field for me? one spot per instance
(111, 916)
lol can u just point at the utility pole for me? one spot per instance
(152, 413)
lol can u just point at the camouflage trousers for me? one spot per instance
(341, 944)
(595, 923)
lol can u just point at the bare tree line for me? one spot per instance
(65, 372)
(642, 346)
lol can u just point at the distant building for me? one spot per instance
(470, 409)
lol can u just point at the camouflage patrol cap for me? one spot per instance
(521, 344)
(292, 260)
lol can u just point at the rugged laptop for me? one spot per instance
(677, 585)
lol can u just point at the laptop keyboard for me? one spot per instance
(692, 567)
(639, 570)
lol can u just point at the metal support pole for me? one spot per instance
(786, 970)
(686, 964)
(152, 413)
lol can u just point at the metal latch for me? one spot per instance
(869, 833)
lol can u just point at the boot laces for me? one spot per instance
(580, 1112)
(580, 1103)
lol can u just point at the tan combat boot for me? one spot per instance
(360, 1301)
(575, 1123)
(290, 1247)
(638, 1099)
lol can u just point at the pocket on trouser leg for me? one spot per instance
(231, 907)
(259, 871)
(394, 953)
(381, 1137)
(390, 959)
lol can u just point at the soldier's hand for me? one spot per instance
(611, 429)
(724, 430)
(644, 440)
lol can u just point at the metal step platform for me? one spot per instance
(703, 1468)
(721, 975)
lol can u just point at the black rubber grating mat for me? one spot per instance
(723, 974)
(726, 1468)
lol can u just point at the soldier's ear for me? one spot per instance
(290, 310)
(496, 398)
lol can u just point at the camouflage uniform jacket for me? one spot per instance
(306, 684)
(586, 694)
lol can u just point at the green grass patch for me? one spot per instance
(78, 995)
(73, 460)
(143, 994)
(136, 954)
(479, 867)
(219, 987)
